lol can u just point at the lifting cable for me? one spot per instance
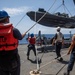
(57, 8)
(68, 10)
(64, 7)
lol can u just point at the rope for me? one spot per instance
(20, 20)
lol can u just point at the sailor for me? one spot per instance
(31, 46)
(9, 36)
(59, 41)
(72, 56)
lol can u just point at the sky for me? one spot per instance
(17, 10)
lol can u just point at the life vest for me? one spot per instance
(7, 40)
(32, 40)
(59, 37)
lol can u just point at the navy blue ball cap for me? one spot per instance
(3, 14)
(32, 35)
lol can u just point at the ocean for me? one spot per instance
(24, 41)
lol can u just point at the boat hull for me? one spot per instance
(51, 20)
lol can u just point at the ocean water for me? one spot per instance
(24, 41)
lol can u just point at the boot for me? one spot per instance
(61, 59)
(56, 57)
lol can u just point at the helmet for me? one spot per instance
(3, 14)
(58, 28)
(32, 35)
